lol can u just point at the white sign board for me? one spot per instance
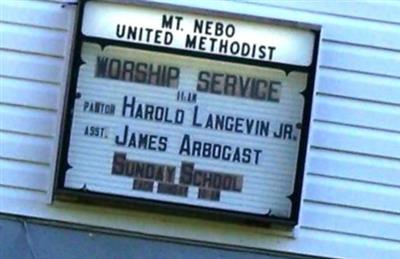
(181, 129)
(219, 36)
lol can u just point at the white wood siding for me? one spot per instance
(351, 205)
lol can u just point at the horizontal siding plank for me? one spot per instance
(352, 139)
(32, 39)
(30, 66)
(353, 166)
(352, 193)
(372, 10)
(64, 1)
(351, 221)
(37, 13)
(24, 175)
(355, 112)
(357, 85)
(29, 121)
(341, 29)
(29, 93)
(362, 59)
(26, 147)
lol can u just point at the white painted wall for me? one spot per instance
(351, 205)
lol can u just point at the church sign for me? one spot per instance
(175, 109)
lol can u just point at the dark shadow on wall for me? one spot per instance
(21, 238)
